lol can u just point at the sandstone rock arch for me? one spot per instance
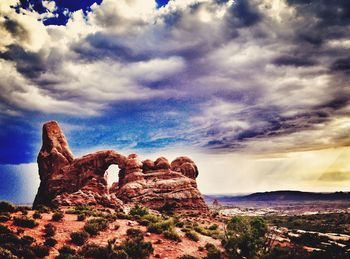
(66, 180)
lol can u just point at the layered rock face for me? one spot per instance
(66, 180)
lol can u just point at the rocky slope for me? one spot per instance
(66, 180)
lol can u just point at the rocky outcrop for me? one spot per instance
(66, 180)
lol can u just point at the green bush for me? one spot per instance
(49, 230)
(41, 251)
(68, 256)
(27, 240)
(5, 217)
(122, 215)
(161, 226)
(119, 254)
(9, 238)
(25, 222)
(42, 209)
(245, 237)
(57, 216)
(6, 254)
(66, 252)
(94, 251)
(172, 235)
(134, 233)
(187, 257)
(6, 207)
(138, 211)
(37, 215)
(213, 227)
(213, 252)
(134, 247)
(192, 235)
(137, 249)
(168, 208)
(81, 217)
(94, 226)
(179, 224)
(79, 238)
(50, 242)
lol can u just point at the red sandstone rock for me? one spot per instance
(162, 163)
(186, 166)
(66, 180)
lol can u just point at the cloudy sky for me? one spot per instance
(257, 92)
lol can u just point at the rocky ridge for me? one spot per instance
(66, 180)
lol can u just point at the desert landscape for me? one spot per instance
(156, 211)
(175, 129)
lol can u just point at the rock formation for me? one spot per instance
(66, 180)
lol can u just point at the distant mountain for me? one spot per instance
(280, 196)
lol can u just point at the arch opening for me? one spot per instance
(112, 174)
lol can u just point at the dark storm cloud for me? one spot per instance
(293, 61)
(29, 64)
(242, 14)
(342, 64)
(100, 46)
(15, 28)
(326, 19)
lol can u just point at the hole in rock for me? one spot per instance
(112, 174)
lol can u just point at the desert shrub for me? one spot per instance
(187, 257)
(42, 209)
(79, 238)
(94, 226)
(172, 235)
(168, 208)
(4, 230)
(5, 217)
(6, 254)
(6, 207)
(213, 227)
(49, 230)
(137, 249)
(94, 251)
(119, 254)
(9, 238)
(160, 226)
(192, 235)
(134, 233)
(66, 252)
(25, 252)
(82, 209)
(41, 251)
(57, 216)
(25, 222)
(68, 256)
(206, 231)
(245, 237)
(27, 240)
(179, 224)
(213, 252)
(288, 253)
(122, 215)
(138, 210)
(37, 215)
(131, 248)
(81, 217)
(50, 242)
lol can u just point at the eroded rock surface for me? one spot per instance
(66, 180)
